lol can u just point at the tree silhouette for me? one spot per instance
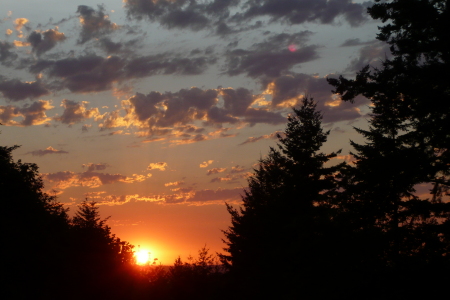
(34, 231)
(407, 144)
(286, 211)
(99, 257)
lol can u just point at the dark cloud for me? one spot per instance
(32, 114)
(94, 23)
(372, 54)
(44, 41)
(272, 136)
(290, 89)
(180, 14)
(95, 167)
(6, 56)
(216, 195)
(111, 47)
(48, 150)
(93, 73)
(186, 105)
(75, 112)
(88, 73)
(195, 15)
(105, 178)
(355, 42)
(279, 53)
(237, 101)
(188, 18)
(218, 115)
(302, 11)
(215, 171)
(17, 90)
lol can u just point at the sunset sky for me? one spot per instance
(158, 110)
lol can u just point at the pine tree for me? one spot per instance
(286, 210)
(407, 145)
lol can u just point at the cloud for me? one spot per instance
(288, 90)
(42, 42)
(75, 112)
(302, 11)
(271, 57)
(347, 158)
(21, 43)
(221, 14)
(215, 171)
(34, 114)
(237, 101)
(6, 56)
(93, 73)
(17, 90)
(222, 195)
(169, 109)
(182, 196)
(91, 179)
(189, 140)
(157, 166)
(61, 180)
(94, 23)
(19, 23)
(355, 42)
(175, 183)
(111, 47)
(237, 169)
(272, 136)
(88, 73)
(95, 167)
(206, 163)
(176, 14)
(48, 150)
(172, 114)
(85, 128)
(232, 177)
(372, 54)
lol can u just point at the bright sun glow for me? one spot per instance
(142, 256)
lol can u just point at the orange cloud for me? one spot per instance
(48, 150)
(206, 163)
(157, 166)
(175, 183)
(215, 171)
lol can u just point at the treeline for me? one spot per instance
(48, 255)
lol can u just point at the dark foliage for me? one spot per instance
(33, 227)
(286, 214)
(47, 255)
(407, 144)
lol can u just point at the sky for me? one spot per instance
(160, 109)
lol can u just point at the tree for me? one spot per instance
(286, 210)
(34, 229)
(407, 144)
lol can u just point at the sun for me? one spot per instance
(142, 256)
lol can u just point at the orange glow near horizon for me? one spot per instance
(142, 256)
